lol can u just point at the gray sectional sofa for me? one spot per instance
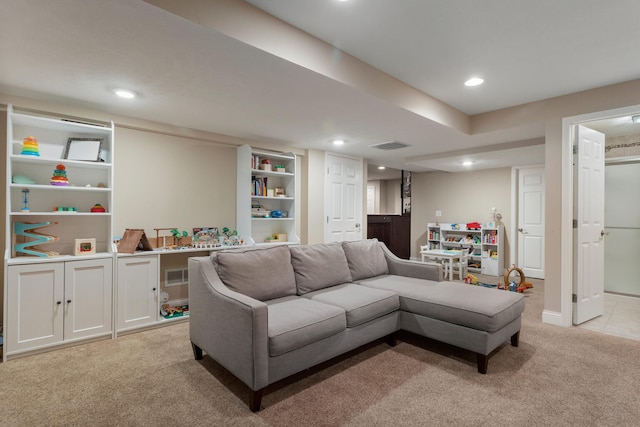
(265, 314)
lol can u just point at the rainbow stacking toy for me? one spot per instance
(30, 147)
(59, 176)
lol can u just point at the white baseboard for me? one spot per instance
(554, 318)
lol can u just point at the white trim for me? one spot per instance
(553, 318)
(513, 248)
(566, 225)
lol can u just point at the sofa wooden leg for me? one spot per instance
(255, 400)
(392, 339)
(515, 339)
(483, 362)
(197, 352)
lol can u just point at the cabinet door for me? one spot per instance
(137, 291)
(35, 309)
(87, 298)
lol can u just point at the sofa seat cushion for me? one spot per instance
(319, 266)
(295, 322)
(471, 306)
(365, 258)
(262, 274)
(361, 303)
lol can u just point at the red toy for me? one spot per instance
(98, 208)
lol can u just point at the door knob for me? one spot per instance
(522, 230)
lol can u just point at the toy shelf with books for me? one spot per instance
(468, 236)
(266, 204)
(433, 236)
(493, 250)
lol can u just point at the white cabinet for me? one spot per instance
(265, 200)
(88, 293)
(49, 303)
(137, 289)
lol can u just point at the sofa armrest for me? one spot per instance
(408, 268)
(229, 326)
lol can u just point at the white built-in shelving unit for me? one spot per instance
(263, 190)
(52, 297)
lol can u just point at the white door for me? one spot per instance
(343, 198)
(588, 263)
(137, 291)
(87, 294)
(531, 222)
(35, 308)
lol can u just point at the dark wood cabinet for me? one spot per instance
(393, 230)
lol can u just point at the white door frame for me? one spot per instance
(565, 317)
(515, 173)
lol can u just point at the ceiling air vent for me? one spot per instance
(390, 145)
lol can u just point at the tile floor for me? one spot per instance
(621, 317)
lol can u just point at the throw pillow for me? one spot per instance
(262, 274)
(319, 266)
(365, 258)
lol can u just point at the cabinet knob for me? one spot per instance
(68, 301)
(153, 289)
(58, 302)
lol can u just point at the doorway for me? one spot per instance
(614, 124)
(343, 198)
(528, 210)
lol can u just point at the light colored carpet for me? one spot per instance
(558, 376)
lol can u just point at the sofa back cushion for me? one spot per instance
(319, 266)
(365, 258)
(262, 274)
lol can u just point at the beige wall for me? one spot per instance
(166, 181)
(387, 196)
(312, 205)
(462, 198)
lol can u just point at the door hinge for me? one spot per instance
(575, 149)
(575, 223)
(574, 298)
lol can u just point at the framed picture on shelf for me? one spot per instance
(85, 149)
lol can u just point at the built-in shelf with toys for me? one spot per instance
(59, 251)
(265, 200)
(486, 244)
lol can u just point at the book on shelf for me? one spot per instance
(259, 186)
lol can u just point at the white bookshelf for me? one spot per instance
(257, 198)
(487, 244)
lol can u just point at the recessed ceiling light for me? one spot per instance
(381, 168)
(125, 93)
(338, 141)
(467, 163)
(474, 81)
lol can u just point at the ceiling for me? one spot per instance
(250, 70)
